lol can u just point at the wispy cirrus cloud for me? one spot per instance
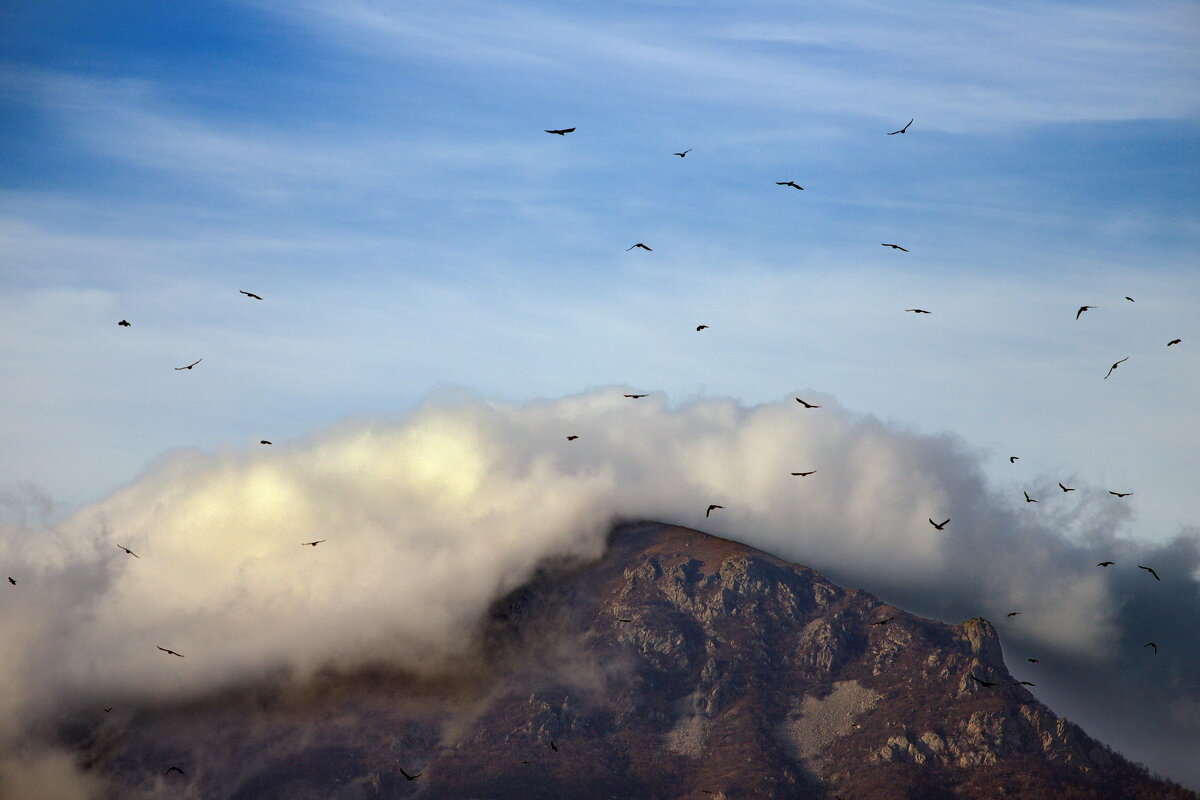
(959, 67)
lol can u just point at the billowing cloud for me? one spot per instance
(429, 518)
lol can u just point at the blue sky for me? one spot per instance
(379, 173)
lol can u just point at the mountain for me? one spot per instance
(681, 665)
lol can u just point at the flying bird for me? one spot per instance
(806, 405)
(639, 244)
(562, 131)
(939, 526)
(904, 129)
(701, 327)
(12, 580)
(124, 323)
(1151, 571)
(189, 366)
(406, 775)
(1083, 309)
(1174, 341)
(1114, 367)
(313, 544)
(883, 621)
(804, 474)
(1013, 459)
(893, 246)
(1151, 644)
(1024, 683)
(634, 396)
(980, 681)
(572, 438)
(263, 441)
(624, 620)
(711, 509)
(250, 294)
(107, 710)
(170, 652)
(683, 154)
(174, 769)
(553, 746)
(1120, 494)
(1032, 660)
(918, 311)
(1013, 613)
(128, 551)
(1130, 299)
(1065, 489)
(1028, 499)
(793, 184)
(1106, 563)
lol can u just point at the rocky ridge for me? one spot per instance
(681, 665)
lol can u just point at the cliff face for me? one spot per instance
(680, 666)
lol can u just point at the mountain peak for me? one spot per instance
(679, 665)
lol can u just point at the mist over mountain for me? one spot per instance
(430, 519)
(680, 665)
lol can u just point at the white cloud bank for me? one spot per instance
(430, 518)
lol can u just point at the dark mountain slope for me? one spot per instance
(679, 666)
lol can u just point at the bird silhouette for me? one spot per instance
(893, 246)
(1113, 368)
(12, 580)
(1151, 644)
(981, 681)
(1151, 571)
(124, 323)
(701, 327)
(1174, 341)
(553, 746)
(127, 550)
(170, 652)
(407, 776)
(1013, 459)
(883, 621)
(108, 709)
(1028, 499)
(250, 294)
(904, 129)
(940, 526)
(1065, 489)
(1120, 494)
(622, 619)
(313, 544)
(1023, 683)
(634, 396)
(562, 131)
(918, 311)
(189, 366)
(1083, 309)
(639, 244)
(1130, 299)
(169, 770)
(1013, 613)
(806, 405)
(1106, 563)
(711, 509)
(1032, 660)
(263, 441)
(793, 184)
(804, 474)
(572, 438)
(683, 154)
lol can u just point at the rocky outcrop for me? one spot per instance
(679, 666)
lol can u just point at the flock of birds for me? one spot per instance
(941, 526)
